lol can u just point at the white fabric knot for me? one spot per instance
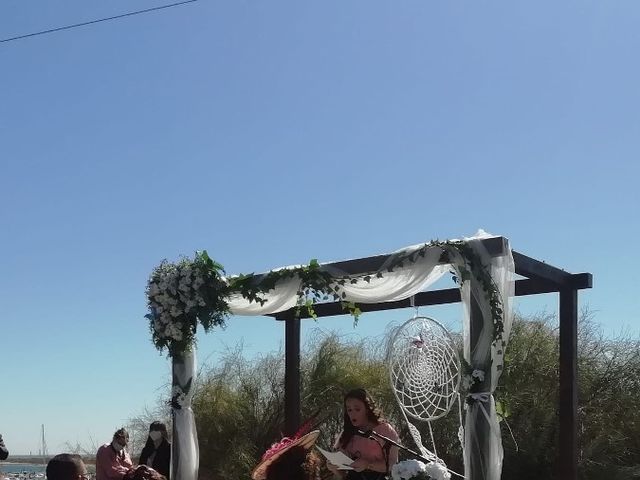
(480, 397)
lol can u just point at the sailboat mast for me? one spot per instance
(43, 444)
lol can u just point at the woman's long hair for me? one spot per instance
(374, 414)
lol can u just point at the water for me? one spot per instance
(21, 467)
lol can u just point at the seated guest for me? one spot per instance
(4, 453)
(112, 460)
(157, 451)
(66, 467)
(291, 459)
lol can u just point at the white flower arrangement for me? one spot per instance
(182, 294)
(417, 470)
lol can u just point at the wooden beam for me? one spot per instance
(578, 281)
(361, 266)
(494, 246)
(438, 297)
(537, 270)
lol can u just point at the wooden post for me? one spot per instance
(568, 411)
(292, 374)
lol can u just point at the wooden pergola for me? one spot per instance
(538, 277)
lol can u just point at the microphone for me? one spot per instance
(365, 434)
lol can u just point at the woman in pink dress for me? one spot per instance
(372, 456)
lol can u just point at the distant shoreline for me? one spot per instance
(17, 460)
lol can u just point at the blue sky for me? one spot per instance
(270, 133)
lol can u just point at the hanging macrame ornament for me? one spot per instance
(424, 371)
(424, 368)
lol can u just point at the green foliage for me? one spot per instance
(239, 403)
(608, 402)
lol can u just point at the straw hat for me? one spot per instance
(277, 450)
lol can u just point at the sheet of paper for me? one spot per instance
(338, 459)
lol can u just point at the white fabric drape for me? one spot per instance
(483, 442)
(184, 447)
(282, 298)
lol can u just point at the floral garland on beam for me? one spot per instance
(316, 286)
(180, 295)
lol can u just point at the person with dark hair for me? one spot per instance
(112, 460)
(372, 456)
(4, 453)
(290, 459)
(66, 467)
(157, 451)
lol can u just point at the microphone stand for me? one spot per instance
(371, 434)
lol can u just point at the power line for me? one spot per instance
(67, 27)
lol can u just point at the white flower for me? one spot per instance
(177, 335)
(407, 469)
(178, 395)
(479, 374)
(437, 471)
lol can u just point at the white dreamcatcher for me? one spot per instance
(425, 375)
